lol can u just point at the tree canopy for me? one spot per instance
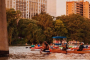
(42, 27)
(77, 26)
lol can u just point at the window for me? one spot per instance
(14, 6)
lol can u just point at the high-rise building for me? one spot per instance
(29, 8)
(53, 7)
(78, 7)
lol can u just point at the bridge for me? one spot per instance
(4, 48)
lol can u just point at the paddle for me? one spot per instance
(66, 47)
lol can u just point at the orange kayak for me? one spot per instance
(60, 51)
(79, 52)
(78, 48)
(57, 51)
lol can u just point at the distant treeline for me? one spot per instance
(42, 27)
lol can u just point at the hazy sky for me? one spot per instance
(62, 6)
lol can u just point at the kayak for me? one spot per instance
(36, 49)
(57, 51)
(56, 47)
(45, 52)
(79, 52)
(61, 51)
(78, 48)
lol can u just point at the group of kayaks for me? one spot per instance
(71, 50)
(59, 50)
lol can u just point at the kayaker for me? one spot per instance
(51, 46)
(81, 47)
(87, 45)
(64, 47)
(39, 45)
(45, 47)
(36, 46)
(32, 45)
(26, 44)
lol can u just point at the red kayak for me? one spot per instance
(36, 48)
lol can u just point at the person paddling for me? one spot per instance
(32, 46)
(39, 45)
(81, 47)
(45, 47)
(36, 46)
(87, 45)
(51, 46)
(64, 47)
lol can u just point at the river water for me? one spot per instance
(23, 53)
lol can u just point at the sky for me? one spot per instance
(61, 5)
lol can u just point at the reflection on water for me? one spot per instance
(23, 53)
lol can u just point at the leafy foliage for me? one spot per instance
(43, 28)
(12, 17)
(77, 26)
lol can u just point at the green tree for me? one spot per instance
(30, 31)
(46, 23)
(44, 20)
(12, 17)
(77, 26)
(60, 29)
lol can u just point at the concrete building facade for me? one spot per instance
(4, 48)
(53, 7)
(78, 7)
(29, 8)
